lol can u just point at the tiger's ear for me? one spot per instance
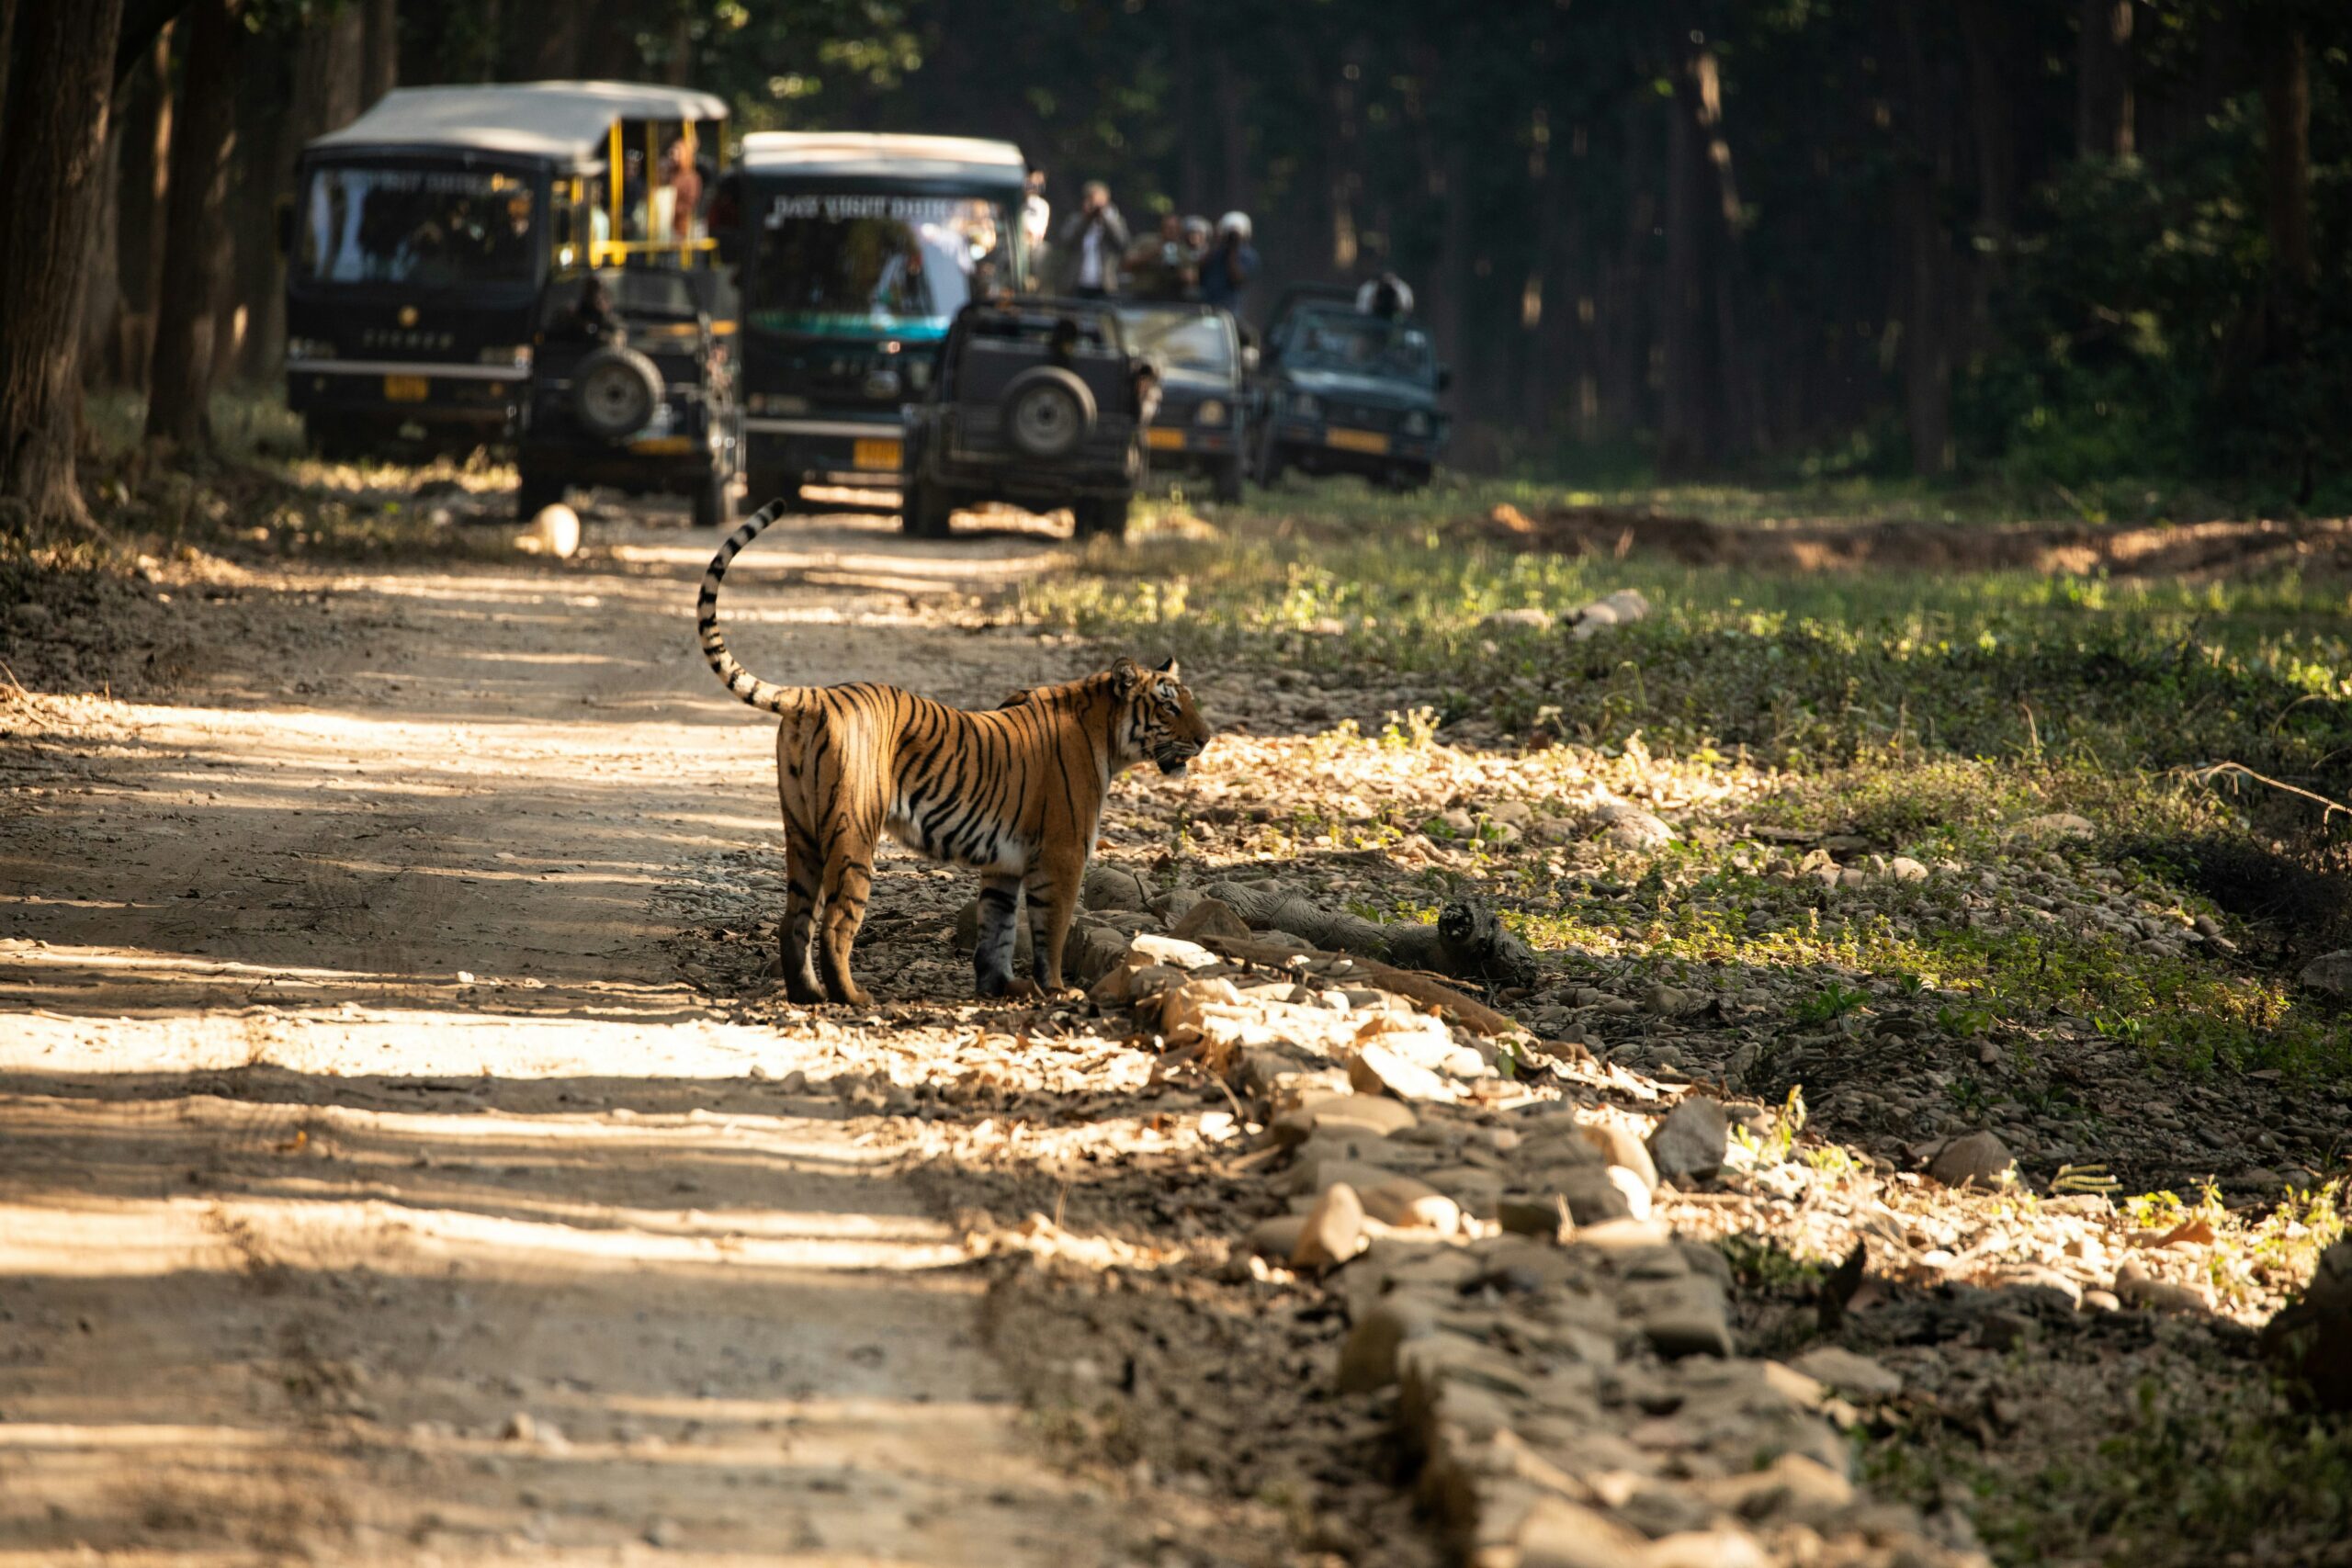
(1125, 675)
(1167, 667)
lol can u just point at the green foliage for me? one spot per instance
(2141, 329)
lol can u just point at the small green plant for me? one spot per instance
(1832, 1160)
(1832, 1001)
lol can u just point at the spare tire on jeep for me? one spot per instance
(615, 392)
(1047, 411)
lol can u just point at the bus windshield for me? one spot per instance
(863, 262)
(418, 227)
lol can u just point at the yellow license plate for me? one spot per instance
(407, 389)
(1164, 440)
(1370, 441)
(663, 445)
(874, 454)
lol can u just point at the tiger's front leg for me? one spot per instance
(1054, 887)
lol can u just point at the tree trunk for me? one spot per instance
(1924, 298)
(2103, 109)
(1191, 183)
(380, 65)
(195, 232)
(1981, 29)
(60, 66)
(556, 57)
(7, 36)
(2287, 156)
(146, 104)
(102, 299)
(1452, 188)
(1233, 121)
(1687, 436)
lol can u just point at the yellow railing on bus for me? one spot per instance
(616, 253)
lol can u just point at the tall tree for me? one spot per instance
(59, 70)
(195, 249)
(2286, 151)
(2103, 107)
(379, 69)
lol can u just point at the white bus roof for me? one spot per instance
(866, 154)
(539, 120)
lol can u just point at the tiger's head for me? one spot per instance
(1157, 721)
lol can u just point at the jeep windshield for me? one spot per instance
(418, 227)
(1194, 341)
(858, 264)
(1356, 344)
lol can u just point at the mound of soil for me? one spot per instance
(2186, 549)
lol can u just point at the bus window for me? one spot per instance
(875, 260)
(419, 225)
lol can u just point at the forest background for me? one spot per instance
(2101, 247)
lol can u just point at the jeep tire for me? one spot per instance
(1269, 457)
(335, 440)
(714, 498)
(1099, 517)
(535, 492)
(1046, 412)
(1225, 479)
(615, 392)
(925, 511)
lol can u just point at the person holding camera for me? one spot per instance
(1163, 267)
(1092, 243)
(1230, 263)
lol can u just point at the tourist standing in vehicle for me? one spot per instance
(1388, 297)
(1092, 242)
(1163, 267)
(1036, 222)
(1231, 262)
(685, 188)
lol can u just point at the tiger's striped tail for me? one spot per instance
(746, 686)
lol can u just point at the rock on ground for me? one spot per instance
(1978, 1158)
(1690, 1145)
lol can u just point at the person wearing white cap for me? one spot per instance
(1230, 263)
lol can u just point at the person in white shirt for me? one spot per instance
(1092, 242)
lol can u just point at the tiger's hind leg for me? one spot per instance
(801, 872)
(993, 950)
(848, 882)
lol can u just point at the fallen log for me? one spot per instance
(1468, 941)
(1426, 989)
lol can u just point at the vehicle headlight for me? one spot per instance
(1417, 423)
(1303, 406)
(1210, 412)
(309, 348)
(518, 355)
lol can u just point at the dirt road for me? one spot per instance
(376, 1187)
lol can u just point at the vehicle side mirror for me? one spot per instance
(284, 215)
(1444, 377)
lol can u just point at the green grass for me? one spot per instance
(1928, 714)
(2185, 1474)
(1800, 670)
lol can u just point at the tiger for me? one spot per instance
(1015, 793)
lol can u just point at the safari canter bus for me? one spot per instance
(421, 234)
(852, 253)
